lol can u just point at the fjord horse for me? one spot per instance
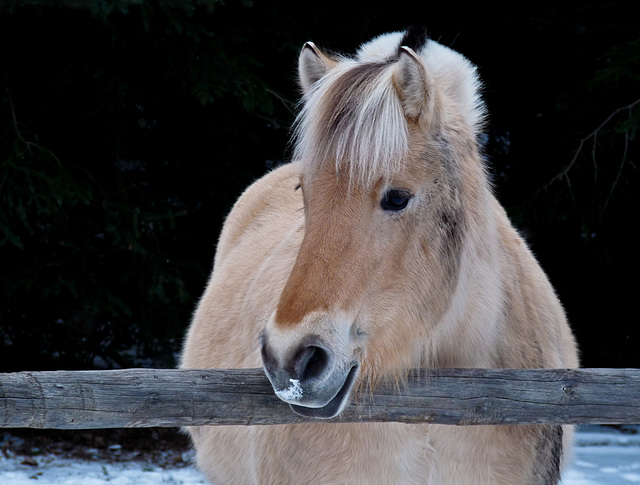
(380, 249)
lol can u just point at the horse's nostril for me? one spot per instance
(312, 362)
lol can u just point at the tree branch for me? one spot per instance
(564, 174)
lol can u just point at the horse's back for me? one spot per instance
(257, 247)
(265, 209)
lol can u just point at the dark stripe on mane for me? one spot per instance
(415, 37)
(346, 91)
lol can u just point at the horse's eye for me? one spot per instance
(395, 200)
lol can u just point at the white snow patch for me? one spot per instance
(605, 456)
(52, 470)
(291, 393)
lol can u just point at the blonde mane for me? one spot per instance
(353, 116)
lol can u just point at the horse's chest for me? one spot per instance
(388, 453)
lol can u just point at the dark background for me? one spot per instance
(128, 129)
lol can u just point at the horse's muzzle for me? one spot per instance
(312, 378)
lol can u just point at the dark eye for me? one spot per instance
(395, 200)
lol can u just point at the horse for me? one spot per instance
(380, 248)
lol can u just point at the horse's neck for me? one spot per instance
(469, 333)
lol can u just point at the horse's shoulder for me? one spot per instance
(266, 201)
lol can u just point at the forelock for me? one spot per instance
(354, 119)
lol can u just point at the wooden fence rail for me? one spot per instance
(149, 397)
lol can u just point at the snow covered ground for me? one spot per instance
(603, 456)
(64, 471)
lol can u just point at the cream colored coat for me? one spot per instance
(460, 288)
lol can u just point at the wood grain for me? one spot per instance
(166, 398)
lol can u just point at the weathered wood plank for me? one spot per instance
(167, 398)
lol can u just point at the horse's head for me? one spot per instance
(387, 141)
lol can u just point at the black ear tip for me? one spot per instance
(415, 37)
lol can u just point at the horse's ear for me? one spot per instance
(411, 83)
(312, 65)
